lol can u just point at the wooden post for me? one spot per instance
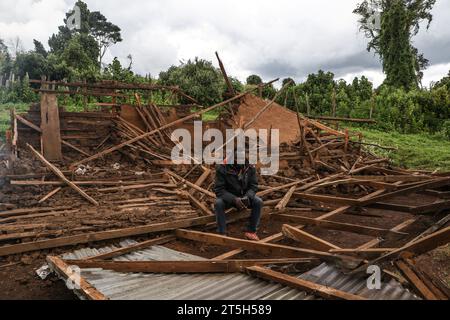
(50, 126)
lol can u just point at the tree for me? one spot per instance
(254, 80)
(94, 25)
(197, 78)
(39, 48)
(5, 59)
(106, 33)
(115, 71)
(400, 21)
(31, 63)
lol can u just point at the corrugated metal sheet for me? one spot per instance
(139, 286)
(330, 276)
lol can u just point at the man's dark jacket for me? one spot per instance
(235, 182)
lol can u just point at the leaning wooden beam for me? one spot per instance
(183, 267)
(107, 235)
(280, 188)
(132, 248)
(148, 134)
(58, 172)
(303, 237)
(264, 248)
(50, 194)
(375, 242)
(417, 248)
(190, 184)
(415, 281)
(37, 129)
(370, 231)
(281, 206)
(66, 272)
(437, 183)
(303, 285)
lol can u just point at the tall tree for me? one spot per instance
(94, 25)
(400, 21)
(105, 32)
(39, 48)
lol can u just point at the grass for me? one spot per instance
(414, 151)
(5, 117)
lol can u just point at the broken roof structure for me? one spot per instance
(90, 179)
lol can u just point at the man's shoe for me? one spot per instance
(252, 236)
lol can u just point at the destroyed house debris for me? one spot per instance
(91, 179)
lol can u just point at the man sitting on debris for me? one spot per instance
(236, 186)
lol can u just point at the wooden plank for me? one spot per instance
(437, 183)
(283, 203)
(415, 281)
(306, 238)
(417, 248)
(85, 288)
(50, 126)
(328, 199)
(19, 212)
(264, 248)
(303, 285)
(438, 290)
(57, 172)
(183, 267)
(190, 184)
(376, 242)
(132, 248)
(370, 231)
(106, 235)
(50, 194)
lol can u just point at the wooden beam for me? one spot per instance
(415, 281)
(58, 172)
(303, 285)
(370, 231)
(50, 194)
(283, 203)
(303, 237)
(85, 288)
(190, 184)
(184, 267)
(264, 248)
(105, 235)
(132, 248)
(51, 134)
(417, 248)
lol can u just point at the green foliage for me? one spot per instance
(197, 78)
(419, 151)
(400, 22)
(254, 80)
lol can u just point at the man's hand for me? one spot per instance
(242, 203)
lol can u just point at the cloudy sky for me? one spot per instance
(271, 38)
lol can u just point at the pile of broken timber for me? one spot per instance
(326, 183)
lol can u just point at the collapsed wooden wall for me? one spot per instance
(81, 129)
